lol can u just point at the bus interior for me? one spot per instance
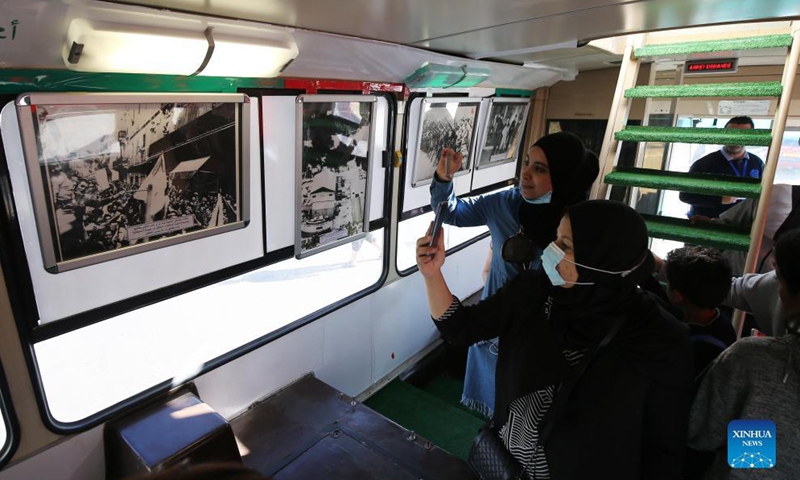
(279, 156)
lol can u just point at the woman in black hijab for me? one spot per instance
(622, 407)
(557, 171)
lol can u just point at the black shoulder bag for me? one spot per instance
(490, 459)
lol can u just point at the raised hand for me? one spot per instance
(449, 163)
(430, 259)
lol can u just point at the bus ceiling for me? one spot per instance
(508, 30)
(522, 45)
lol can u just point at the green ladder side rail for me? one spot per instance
(701, 233)
(742, 89)
(711, 46)
(720, 185)
(710, 136)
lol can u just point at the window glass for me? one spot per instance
(682, 156)
(93, 368)
(408, 231)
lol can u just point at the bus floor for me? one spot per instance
(427, 401)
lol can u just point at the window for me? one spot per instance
(408, 231)
(681, 157)
(486, 163)
(90, 369)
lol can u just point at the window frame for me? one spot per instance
(9, 420)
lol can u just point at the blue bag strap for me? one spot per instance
(708, 339)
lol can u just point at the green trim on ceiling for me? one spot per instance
(510, 92)
(18, 81)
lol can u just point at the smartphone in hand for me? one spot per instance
(437, 222)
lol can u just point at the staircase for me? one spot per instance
(711, 234)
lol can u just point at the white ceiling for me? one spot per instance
(518, 31)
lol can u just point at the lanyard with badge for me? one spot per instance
(739, 174)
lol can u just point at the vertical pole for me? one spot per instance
(618, 117)
(778, 126)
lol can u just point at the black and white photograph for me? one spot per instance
(119, 176)
(505, 127)
(444, 125)
(333, 171)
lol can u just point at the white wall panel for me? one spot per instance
(401, 323)
(279, 125)
(347, 350)
(80, 457)
(231, 388)
(401, 319)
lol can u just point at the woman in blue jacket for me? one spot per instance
(557, 171)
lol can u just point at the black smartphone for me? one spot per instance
(437, 222)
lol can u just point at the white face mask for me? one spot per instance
(541, 200)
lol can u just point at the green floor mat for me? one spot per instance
(448, 427)
(449, 389)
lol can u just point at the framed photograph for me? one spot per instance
(335, 138)
(113, 175)
(445, 123)
(504, 131)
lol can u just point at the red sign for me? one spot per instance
(711, 66)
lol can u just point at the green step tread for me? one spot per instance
(710, 136)
(448, 427)
(703, 233)
(710, 46)
(706, 184)
(742, 89)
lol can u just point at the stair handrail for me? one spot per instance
(618, 117)
(771, 166)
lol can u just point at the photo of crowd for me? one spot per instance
(333, 173)
(504, 131)
(134, 174)
(444, 125)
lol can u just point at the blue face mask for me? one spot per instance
(543, 199)
(553, 255)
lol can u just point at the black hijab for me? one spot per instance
(611, 236)
(608, 236)
(573, 169)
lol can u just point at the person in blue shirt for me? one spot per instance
(732, 160)
(557, 171)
